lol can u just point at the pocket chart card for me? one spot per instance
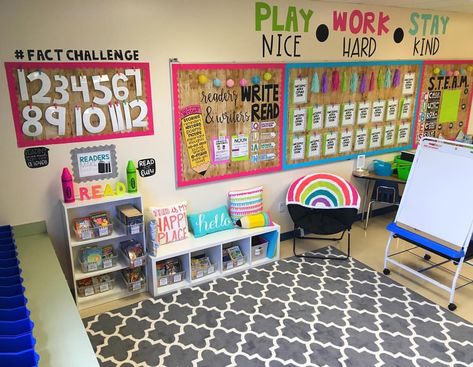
(444, 100)
(336, 111)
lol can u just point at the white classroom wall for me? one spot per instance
(191, 31)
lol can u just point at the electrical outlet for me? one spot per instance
(282, 207)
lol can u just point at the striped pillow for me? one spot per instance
(245, 202)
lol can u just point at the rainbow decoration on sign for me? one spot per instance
(323, 191)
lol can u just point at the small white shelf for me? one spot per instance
(79, 274)
(102, 201)
(119, 291)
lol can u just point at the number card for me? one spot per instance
(403, 133)
(375, 137)
(346, 139)
(316, 117)
(330, 143)
(297, 147)
(56, 103)
(391, 112)
(389, 135)
(378, 111)
(361, 137)
(314, 144)
(300, 90)
(332, 115)
(363, 113)
(348, 114)
(299, 118)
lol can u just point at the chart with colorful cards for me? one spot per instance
(227, 120)
(444, 100)
(336, 111)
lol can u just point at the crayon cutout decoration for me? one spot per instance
(315, 83)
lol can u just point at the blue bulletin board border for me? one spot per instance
(307, 65)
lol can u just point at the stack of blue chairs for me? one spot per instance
(16, 329)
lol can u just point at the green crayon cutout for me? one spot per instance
(131, 177)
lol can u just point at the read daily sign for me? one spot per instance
(55, 103)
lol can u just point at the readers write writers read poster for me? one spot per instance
(228, 120)
(444, 100)
(356, 107)
(59, 102)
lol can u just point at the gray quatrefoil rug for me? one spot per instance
(293, 312)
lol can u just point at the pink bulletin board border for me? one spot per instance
(175, 90)
(21, 142)
(438, 62)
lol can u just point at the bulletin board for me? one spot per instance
(58, 102)
(336, 111)
(444, 100)
(227, 120)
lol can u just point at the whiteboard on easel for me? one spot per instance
(438, 197)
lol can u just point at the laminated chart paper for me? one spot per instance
(228, 120)
(344, 103)
(444, 101)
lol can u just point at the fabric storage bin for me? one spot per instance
(11, 280)
(26, 358)
(12, 302)
(14, 328)
(11, 290)
(14, 314)
(164, 280)
(7, 254)
(10, 271)
(259, 247)
(17, 344)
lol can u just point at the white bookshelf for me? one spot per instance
(85, 208)
(212, 245)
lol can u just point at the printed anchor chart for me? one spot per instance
(228, 120)
(445, 100)
(339, 110)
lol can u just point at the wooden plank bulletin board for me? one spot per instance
(444, 100)
(336, 111)
(227, 120)
(58, 102)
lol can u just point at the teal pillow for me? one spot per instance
(209, 222)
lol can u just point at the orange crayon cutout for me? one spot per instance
(192, 126)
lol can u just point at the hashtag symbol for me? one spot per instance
(19, 54)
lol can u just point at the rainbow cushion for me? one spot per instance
(323, 191)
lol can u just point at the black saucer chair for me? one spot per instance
(322, 204)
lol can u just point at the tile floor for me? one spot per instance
(368, 247)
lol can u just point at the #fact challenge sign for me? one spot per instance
(58, 102)
(228, 120)
(336, 111)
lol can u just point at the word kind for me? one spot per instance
(287, 20)
(425, 28)
(357, 22)
(102, 114)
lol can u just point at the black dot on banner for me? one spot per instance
(463, 106)
(322, 33)
(398, 35)
(450, 125)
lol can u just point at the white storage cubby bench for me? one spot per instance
(114, 286)
(212, 246)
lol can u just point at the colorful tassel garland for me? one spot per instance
(315, 83)
(335, 80)
(380, 79)
(363, 83)
(324, 83)
(387, 79)
(396, 78)
(344, 81)
(372, 81)
(354, 82)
